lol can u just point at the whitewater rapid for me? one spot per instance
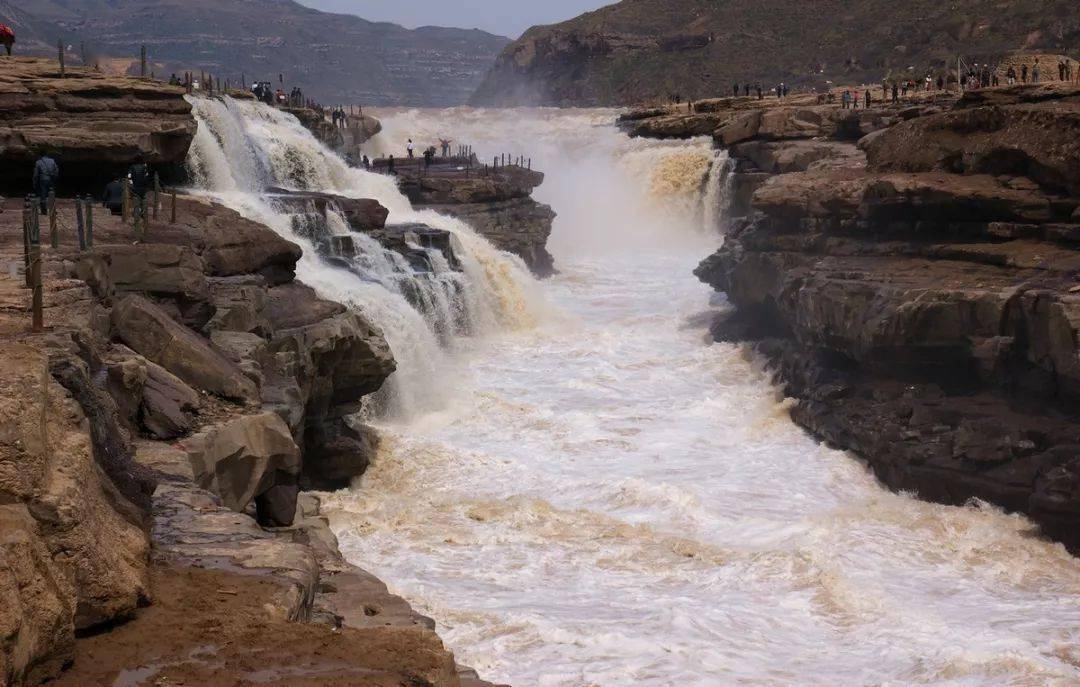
(606, 498)
(582, 490)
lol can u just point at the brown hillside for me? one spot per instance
(641, 49)
(335, 58)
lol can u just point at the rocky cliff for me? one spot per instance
(636, 50)
(913, 274)
(495, 202)
(157, 435)
(98, 125)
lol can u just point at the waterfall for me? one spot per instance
(422, 304)
(718, 192)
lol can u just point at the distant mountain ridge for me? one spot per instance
(637, 50)
(335, 58)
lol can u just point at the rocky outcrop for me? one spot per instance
(923, 306)
(97, 125)
(1018, 131)
(249, 460)
(239, 386)
(126, 363)
(68, 484)
(357, 130)
(148, 330)
(494, 202)
(520, 226)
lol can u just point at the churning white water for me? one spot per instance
(241, 149)
(608, 499)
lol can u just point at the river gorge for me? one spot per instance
(583, 490)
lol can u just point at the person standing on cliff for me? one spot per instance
(735, 90)
(46, 174)
(7, 37)
(411, 149)
(390, 165)
(1035, 72)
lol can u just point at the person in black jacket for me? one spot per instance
(114, 197)
(139, 174)
(46, 174)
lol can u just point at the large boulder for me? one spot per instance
(149, 331)
(248, 458)
(150, 398)
(158, 269)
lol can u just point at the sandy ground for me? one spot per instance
(209, 628)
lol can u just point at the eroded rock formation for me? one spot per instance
(98, 125)
(496, 203)
(922, 303)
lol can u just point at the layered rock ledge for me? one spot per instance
(496, 203)
(159, 432)
(913, 274)
(98, 125)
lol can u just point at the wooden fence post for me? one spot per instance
(89, 222)
(60, 53)
(142, 62)
(28, 208)
(173, 194)
(37, 302)
(125, 208)
(80, 227)
(145, 217)
(54, 231)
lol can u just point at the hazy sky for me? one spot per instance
(504, 17)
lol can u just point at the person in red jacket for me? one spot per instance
(7, 37)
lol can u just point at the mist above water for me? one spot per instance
(606, 498)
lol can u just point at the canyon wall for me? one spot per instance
(912, 273)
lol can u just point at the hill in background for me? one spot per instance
(637, 50)
(334, 58)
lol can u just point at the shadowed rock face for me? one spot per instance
(96, 125)
(497, 204)
(925, 308)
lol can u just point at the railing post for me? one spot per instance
(37, 302)
(29, 207)
(173, 214)
(60, 53)
(89, 221)
(79, 226)
(145, 218)
(157, 194)
(125, 207)
(142, 62)
(54, 231)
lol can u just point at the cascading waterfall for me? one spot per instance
(242, 149)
